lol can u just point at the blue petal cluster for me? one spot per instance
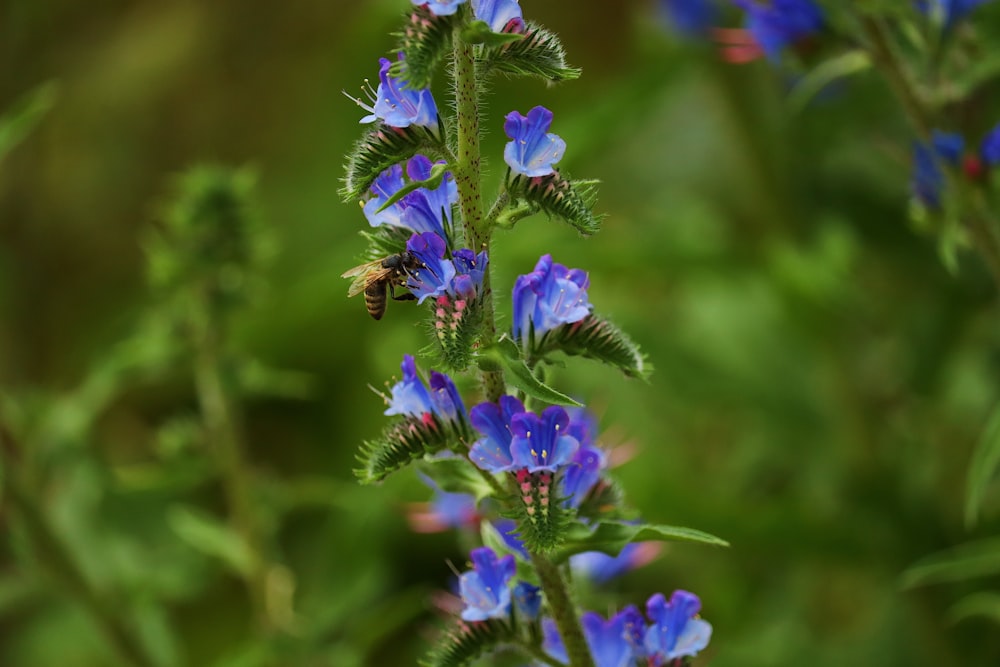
(412, 398)
(778, 23)
(533, 149)
(445, 510)
(527, 600)
(951, 11)
(549, 296)
(515, 439)
(927, 179)
(990, 147)
(398, 105)
(599, 567)
(691, 18)
(625, 638)
(460, 277)
(500, 15)
(423, 210)
(440, 7)
(485, 589)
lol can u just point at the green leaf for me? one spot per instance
(595, 338)
(985, 604)
(25, 115)
(479, 32)
(404, 442)
(465, 642)
(819, 77)
(424, 42)
(538, 53)
(611, 536)
(982, 468)
(507, 355)
(559, 197)
(966, 561)
(380, 148)
(210, 536)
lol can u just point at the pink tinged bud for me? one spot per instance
(543, 490)
(522, 475)
(528, 500)
(525, 487)
(530, 511)
(460, 305)
(545, 502)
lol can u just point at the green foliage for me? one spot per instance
(380, 148)
(596, 338)
(965, 561)
(506, 355)
(424, 43)
(611, 536)
(18, 121)
(982, 468)
(538, 53)
(404, 442)
(985, 605)
(456, 327)
(558, 197)
(542, 520)
(465, 642)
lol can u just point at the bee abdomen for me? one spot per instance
(375, 299)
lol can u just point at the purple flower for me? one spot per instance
(540, 443)
(532, 150)
(990, 147)
(547, 297)
(507, 529)
(470, 271)
(950, 10)
(434, 277)
(422, 210)
(675, 631)
(493, 421)
(485, 589)
(928, 179)
(444, 511)
(440, 7)
(611, 642)
(410, 396)
(527, 600)
(779, 23)
(691, 18)
(397, 105)
(501, 15)
(582, 473)
(599, 567)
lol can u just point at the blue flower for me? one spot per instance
(435, 275)
(990, 147)
(611, 642)
(527, 600)
(422, 210)
(507, 529)
(470, 271)
(386, 184)
(951, 11)
(444, 511)
(779, 23)
(928, 179)
(691, 18)
(547, 297)
(397, 105)
(493, 421)
(582, 473)
(532, 150)
(675, 631)
(540, 443)
(410, 396)
(501, 15)
(485, 589)
(440, 7)
(599, 567)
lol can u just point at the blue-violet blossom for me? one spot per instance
(440, 7)
(950, 11)
(675, 632)
(599, 567)
(500, 15)
(485, 589)
(533, 149)
(778, 23)
(990, 147)
(412, 398)
(927, 179)
(423, 210)
(691, 18)
(397, 105)
(540, 442)
(460, 277)
(547, 297)
(445, 510)
(612, 643)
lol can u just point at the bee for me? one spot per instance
(381, 276)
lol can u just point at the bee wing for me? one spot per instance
(361, 275)
(364, 280)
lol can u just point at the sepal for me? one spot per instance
(559, 197)
(379, 149)
(542, 520)
(595, 338)
(466, 641)
(457, 323)
(611, 536)
(538, 53)
(384, 240)
(406, 441)
(425, 41)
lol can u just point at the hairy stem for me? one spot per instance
(224, 432)
(563, 611)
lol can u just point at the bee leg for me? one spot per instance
(406, 296)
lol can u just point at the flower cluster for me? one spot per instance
(674, 631)
(550, 296)
(423, 210)
(412, 398)
(397, 105)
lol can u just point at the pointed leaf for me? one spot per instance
(985, 604)
(538, 53)
(479, 32)
(982, 468)
(966, 561)
(559, 197)
(465, 642)
(508, 356)
(611, 536)
(404, 442)
(210, 536)
(596, 338)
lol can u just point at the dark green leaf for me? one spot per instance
(404, 442)
(599, 339)
(538, 53)
(822, 75)
(982, 468)
(985, 604)
(559, 197)
(26, 113)
(966, 561)
(611, 536)
(508, 356)
(479, 32)
(210, 536)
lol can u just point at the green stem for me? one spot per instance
(899, 80)
(225, 434)
(563, 611)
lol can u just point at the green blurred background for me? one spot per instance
(820, 379)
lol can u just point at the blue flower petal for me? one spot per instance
(532, 150)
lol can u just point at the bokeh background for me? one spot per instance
(820, 383)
